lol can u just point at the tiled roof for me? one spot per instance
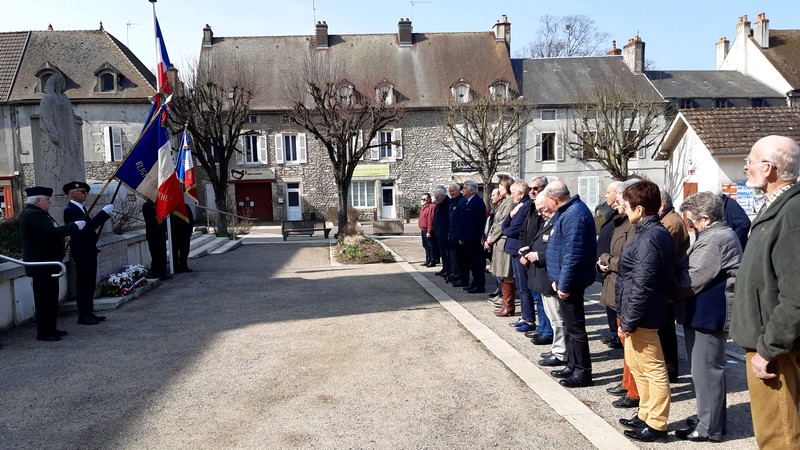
(560, 81)
(735, 130)
(421, 74)
(12, 47)
(784, 54)
(78, 54)
(675, 84)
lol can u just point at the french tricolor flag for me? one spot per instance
(185, 167)
(164, 88)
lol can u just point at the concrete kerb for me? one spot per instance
(596, 430)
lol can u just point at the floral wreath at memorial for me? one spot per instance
(123, 283)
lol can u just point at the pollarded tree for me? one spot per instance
(485, 133)
(616, 119)
(575, 35)
(213, 103)
(345, 117)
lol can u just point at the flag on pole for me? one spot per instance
(164, 89)
(185, 164)
(149, 170)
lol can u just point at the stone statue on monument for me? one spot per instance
(61, 158)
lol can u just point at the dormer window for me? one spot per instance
(345, 93)
(108, 78)
(460, 92)
(499, 90)
(385, 93)
(44, 73)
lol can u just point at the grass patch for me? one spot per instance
(361, 250)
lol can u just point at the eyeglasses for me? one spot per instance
(536, 188)
(748, 162)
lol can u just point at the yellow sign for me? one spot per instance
(371, 170)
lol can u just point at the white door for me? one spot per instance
(388, 211)
(293, 206)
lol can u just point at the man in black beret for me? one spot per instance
(43, 240)
(83, 249)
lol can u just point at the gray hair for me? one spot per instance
(440, 190)
(543, 181)
(783, 152)
(704, 204)
(520, 186)
(625, 185)
(32, 199)
(557, 189)
(666, 198)
(472, 185)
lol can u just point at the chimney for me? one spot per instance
(502, 32)
(723, 45)
(633, 54)
(743, 28)
(322, 35)
(404, 33)
(761, 31)
(50, 27)
(614, 50)
(208, 36)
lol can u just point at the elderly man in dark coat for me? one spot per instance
(43, 240)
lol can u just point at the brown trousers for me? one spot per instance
(775, 403)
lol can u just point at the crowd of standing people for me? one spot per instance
(733, 279)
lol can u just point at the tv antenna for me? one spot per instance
(314, 11)
(129, 24)
(414, 2)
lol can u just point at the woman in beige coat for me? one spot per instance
(496, 240)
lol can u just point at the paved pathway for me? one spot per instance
(275, 346)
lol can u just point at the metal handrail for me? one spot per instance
(207, 208)
(62, 270)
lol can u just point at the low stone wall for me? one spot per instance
(16, 292)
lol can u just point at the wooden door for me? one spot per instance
(688, 189)
(254, 200)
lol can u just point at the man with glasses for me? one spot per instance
(604, 247)
(765, 319)
(83, 249)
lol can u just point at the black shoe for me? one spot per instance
(541, 340)
(425, 264)
(430, 265)
(690, 434)
(440, 273)
(691, 422)
(532, 334)
(51, 338)
(98, 318)
(562, 373)
(617, 390)
(187, 270)
(476, 290)
(575, 381)
(625, 402)
(60, 333)
(609, 338)
(615, 344)
(458, 284)
(552, 362)
(646, 434)
(88, 321)
(546, 354)
(633, 422)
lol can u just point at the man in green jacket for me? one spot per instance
(766, 311)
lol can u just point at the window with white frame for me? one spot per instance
(362, 194)
(250, 148)
(290, 148)
(112, 139)
(108, 82)
(460, 92)
(589, 190)
(345, 92)
(499, 90)
(385, 93)
(548, 114)
(385, 139)
(548, 146)
(387, 144)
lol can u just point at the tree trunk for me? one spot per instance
(341, 214)
(222, 205)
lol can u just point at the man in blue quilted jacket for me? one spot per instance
(571, 253)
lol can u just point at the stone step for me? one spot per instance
(200, 241)
(226, 247)
(210, 245)
(109, 303)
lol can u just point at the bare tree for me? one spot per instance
(344, 116)
(213, 102)
(485, 133)
(575, 35)
(616, 120)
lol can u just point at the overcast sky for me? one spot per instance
(679, 34)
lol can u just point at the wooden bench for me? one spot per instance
(303, 227)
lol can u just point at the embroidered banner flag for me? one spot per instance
(185, 167)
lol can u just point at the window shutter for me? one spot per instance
(559, 147)
(583, 190)
(301, 147)
(279, 148)
(642, 153)
(263, 156)
(107, 143)
(374, 151)
(537, 149)
(116, 143)
(397, 139)
(593, 190)
(240, 159)
(360, 142)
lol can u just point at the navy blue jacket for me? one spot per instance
(441, 219)
(454, 218)
(514, 228)
(537, 271)
(736, 218)
(83, 244)
(572, 249)
(646, 271)
(473, 219)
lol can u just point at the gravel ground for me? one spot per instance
(607, 363)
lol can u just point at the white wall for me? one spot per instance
(746, 57)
